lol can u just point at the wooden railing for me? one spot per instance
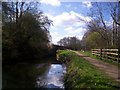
(111, 54)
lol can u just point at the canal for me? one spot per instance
(53, 77)
(47, 74)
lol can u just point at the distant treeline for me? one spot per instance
(70, 43)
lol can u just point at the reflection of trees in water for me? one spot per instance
(53, 78)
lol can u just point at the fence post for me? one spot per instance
(101, 53)
(118, 38)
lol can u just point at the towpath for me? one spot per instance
(111, 70)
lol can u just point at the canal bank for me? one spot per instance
(82, 74)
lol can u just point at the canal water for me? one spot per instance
(53, 77)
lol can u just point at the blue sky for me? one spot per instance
(67, 18)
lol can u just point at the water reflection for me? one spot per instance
(53, 78)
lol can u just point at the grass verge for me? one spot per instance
(82, 74)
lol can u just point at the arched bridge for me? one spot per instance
(55, 48)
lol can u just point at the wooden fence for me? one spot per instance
(111, 54)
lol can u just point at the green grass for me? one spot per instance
(88, 53)
(82, 74)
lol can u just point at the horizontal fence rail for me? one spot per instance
(111, 54)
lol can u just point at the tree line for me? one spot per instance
(25, 32)
(70, 42)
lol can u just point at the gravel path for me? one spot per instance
(112, 70)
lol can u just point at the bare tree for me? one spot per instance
(115, 14)
(99, 23)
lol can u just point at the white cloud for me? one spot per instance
(71, 30)
(51, 2)
(70, 18)
(67, 24)
(78, 30)
(68, 29)
(55, 37)
(109, 22)
(78, 24)
(53, 27)
(87, 4)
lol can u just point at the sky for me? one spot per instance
(67, 18)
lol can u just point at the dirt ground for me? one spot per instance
(111, 70)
